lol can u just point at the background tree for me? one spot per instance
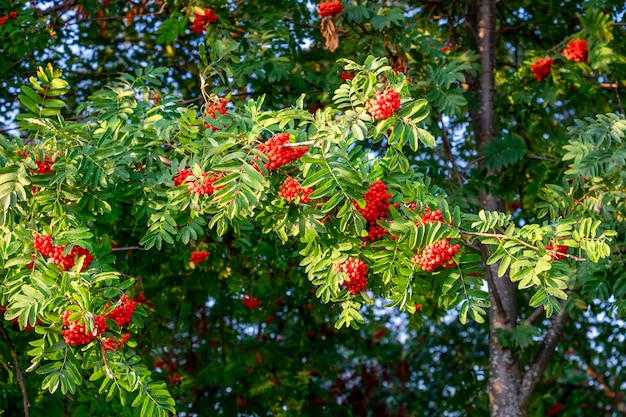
(491, 120)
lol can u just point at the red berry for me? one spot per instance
(250, 302)
(75, 334)
(541, 68)
(559, 252)
(437, 254)
(204, 186)
(279, 155)
(43, 245)
(432, 216)
(123, 310)
(200, 21)
(384, 104)
(213, 108)
(576, 51)
(330, 8)
(376, 202)
(291, 190)
(199, 256)
(356, 270)
(182, 176)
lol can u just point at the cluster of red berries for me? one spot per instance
(213, 108)
(76, 334)
(437, 254)
(199, 256)
(43, 245)
(376, 202)
(384, 104)
(279, 155)
(112, 344)
(204, 186)
(45, 166)
(291, 190)
(123, 310)
(374, 233)
(201, 20)
(432, 216)
(330, 8)
(558, 253)
(345, 76)
(357, 274)
(541, 68)
(181, 177)
(448, 47)
(250, 302)
(576, 50)
(6, 17)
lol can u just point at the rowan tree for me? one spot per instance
(285, 208)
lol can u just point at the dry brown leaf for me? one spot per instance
(329, 32)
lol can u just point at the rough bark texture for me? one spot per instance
(510, 389)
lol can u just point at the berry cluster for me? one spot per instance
(45, 166)
(384, 104)
(181, 177)
(201, 20)
(123, 311)
(112, 344)
(374, 233)
(437, 254)
(76, 334)
(43, 245)
(432, 216)
(330, 8)
(541, 68)
(250, 302)
(557, 253)
(376, 202)
(345, 76)
(213, 108)
(6, 17)
(204, 186)
(279, 155)
(576, 51)
(199, 256)
(357, 274)
(291, 190)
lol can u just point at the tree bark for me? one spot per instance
(510, 389)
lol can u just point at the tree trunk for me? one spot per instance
(510, 389)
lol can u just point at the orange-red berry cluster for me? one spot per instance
(213, 108)
(432, 216)
(123, 310)
(199, 256)
(437, 254)
(43, 245)
(250, 302)
(45, 166)
(376, 202)
(201, 20)
(541, 68)
(204, 186)
(345, 76)
(6, 17)
(112, 344)
(279, 155)
(576, 51)
(357, 274)
(330, 8)
(291, 190)
(384, 104)
(76, 334)
(557, 253)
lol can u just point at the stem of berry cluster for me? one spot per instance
(528, 245)
(18, 371)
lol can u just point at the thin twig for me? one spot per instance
(521, 242)
(127, 248)
(448, 150)
(534, 316)
(18, 370)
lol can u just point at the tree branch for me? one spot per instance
(18, 369)
(544, 354)
(608, 391)
(534, 316)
